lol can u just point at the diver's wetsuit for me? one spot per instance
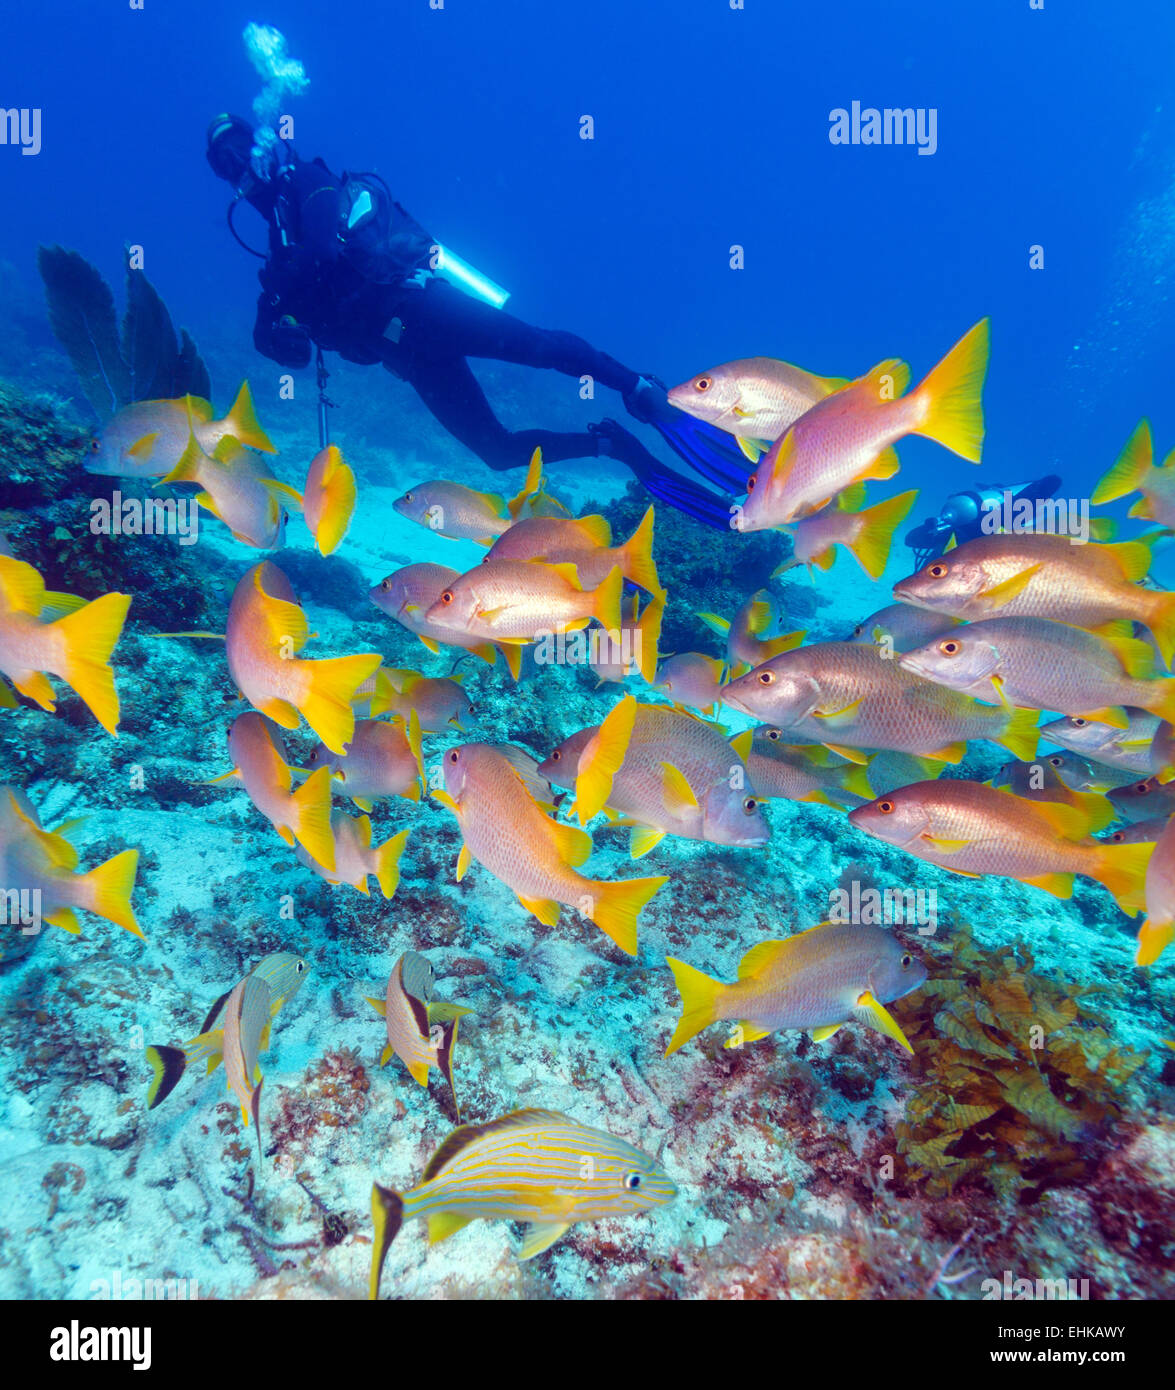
(315, 289)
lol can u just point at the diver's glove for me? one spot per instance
(291, 342)
(648, 402)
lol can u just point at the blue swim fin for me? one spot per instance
(710, 451)
(663, 482)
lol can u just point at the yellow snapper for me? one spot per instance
(266, 627)
(1035, 575)
(437, 701)
(585, 542)
(900, 627)
(866, 532)
(1143, 747)
(146, 439)
(977, 830)
(804, 772)
(247, 1016)
(328, 502)
(382, 760)
(237, 490)
(848, 436)
(535, 1166)
(506, 831)
(668, 773)
(407, 594)
(1136, 471)
(632, 651)
(36, 643)
(693, 679)
(753, 398)
(513, 601)
(753, 636)
(462, 513)
(1040, 781)
(818, 980)
(421, 1029)
(1037, 664)
(260, 766)
(1138, 801)
(283, 972)
(34, 860)
(1158, 930)
(356, 856)
(848, 696)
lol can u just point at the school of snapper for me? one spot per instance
(974, 646)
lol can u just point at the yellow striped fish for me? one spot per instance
(282, 973)
(246, 1022)
(422, 1029)
(536, 1166)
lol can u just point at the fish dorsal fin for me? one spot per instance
(22, 587)
(1137, 658)
(676, 793)
(595, 529)
(566, 570)
(282, 618)
(762, 957)
(56, 848)
(887, 381)
(464, 1135)
(1133, 558)
(534, 481)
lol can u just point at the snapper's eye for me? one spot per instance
(937, 571)
(766, 677)
(907, 961)
(300, 967)
(885, 807)
(950, 647)
(447, 596)
(385, 584)
(751, 481)
(750, 805)
(1077, 722)
(774, 735)
(407, 497)
(632, 1181)
(702, 383)
(556, 755)
(95, 446)
(453, 755)
(1056, 761)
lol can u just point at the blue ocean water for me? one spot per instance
(1055, 138)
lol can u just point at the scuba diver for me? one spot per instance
(348, 270)
(962, 516)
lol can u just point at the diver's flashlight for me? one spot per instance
(449, 266)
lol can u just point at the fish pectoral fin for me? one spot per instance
(854, 755)
(464, 859)
(379, 1005)
(750, 447)
(540, 1236)
(832, 718)
(676, 793)
(643, 839)
(485, 615)
(429, 643)
(545, 909)
(997, 684)
(445, 798)
(574, 845)
(826, 1032)
(944, 846)
(998, 594)
(443, 1224)
(741, 743)
(876, 1015)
